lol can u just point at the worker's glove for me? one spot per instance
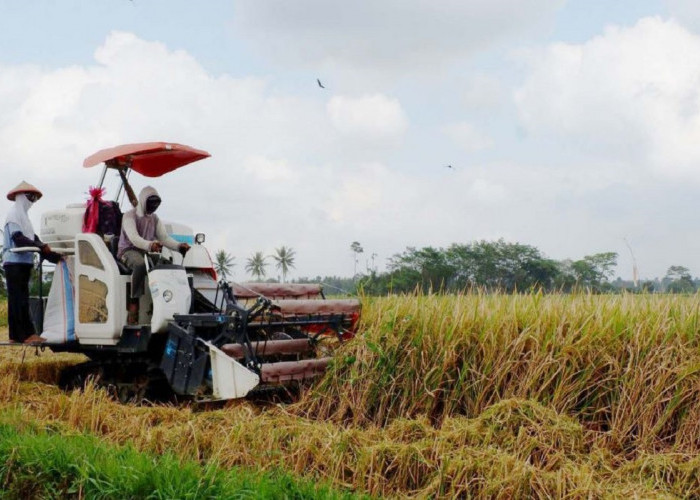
(50, 255)
(156, 247)
(183, 248)
(53, 257)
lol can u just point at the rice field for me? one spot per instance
(477, 396)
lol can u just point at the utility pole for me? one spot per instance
(635, 272)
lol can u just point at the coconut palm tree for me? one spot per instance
(357, 250)
(223, 262)
(284, 258)
(256, 264)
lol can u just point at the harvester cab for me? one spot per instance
(195, 336)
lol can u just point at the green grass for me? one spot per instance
(36, 463)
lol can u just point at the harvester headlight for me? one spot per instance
(167, 295)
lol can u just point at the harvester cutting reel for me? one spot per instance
(226, 355)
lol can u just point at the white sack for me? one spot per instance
(59, 319)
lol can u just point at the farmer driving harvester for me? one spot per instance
(142, 232)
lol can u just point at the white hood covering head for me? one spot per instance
(19, 215)
(145, 193)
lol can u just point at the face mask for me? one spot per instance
(152, 204)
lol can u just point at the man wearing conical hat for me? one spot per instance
(18, 232)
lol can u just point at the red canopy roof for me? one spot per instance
(151, 159)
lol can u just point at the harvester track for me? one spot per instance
(136, 380)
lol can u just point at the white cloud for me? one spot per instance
(362, 191)
(266, 170)
(468, 137)
(486, 191)
(275, 177)
(483, 92)
(686, 12)
(374, 118)
(631, 95)
(316, 175)
(404, 35)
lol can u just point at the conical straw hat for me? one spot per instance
(23, 187)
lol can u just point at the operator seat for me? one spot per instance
(113, 248)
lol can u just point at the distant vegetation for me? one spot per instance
(492, 266)
(499, 266)
(256, 265)
(224, 263)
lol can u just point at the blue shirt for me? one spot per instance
(14, 257)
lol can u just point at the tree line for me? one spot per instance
(479, 265)
(492, 266)
(256, 265)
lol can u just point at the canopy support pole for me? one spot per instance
(102, 177)
(127, 187)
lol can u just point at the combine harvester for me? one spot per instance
(196, 337)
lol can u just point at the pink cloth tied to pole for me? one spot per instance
(91, 219)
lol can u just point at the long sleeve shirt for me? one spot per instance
(141, 232)
(14, 238)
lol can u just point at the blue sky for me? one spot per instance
(56, 33)
(581, 20)
(571, 124)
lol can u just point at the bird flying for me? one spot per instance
(319, 83)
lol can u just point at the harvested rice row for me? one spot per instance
(514, 449)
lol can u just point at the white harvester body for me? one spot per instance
(100, 297)
(101, 288)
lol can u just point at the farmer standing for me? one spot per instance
(18, 232)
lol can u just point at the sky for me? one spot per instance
(569, 125)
